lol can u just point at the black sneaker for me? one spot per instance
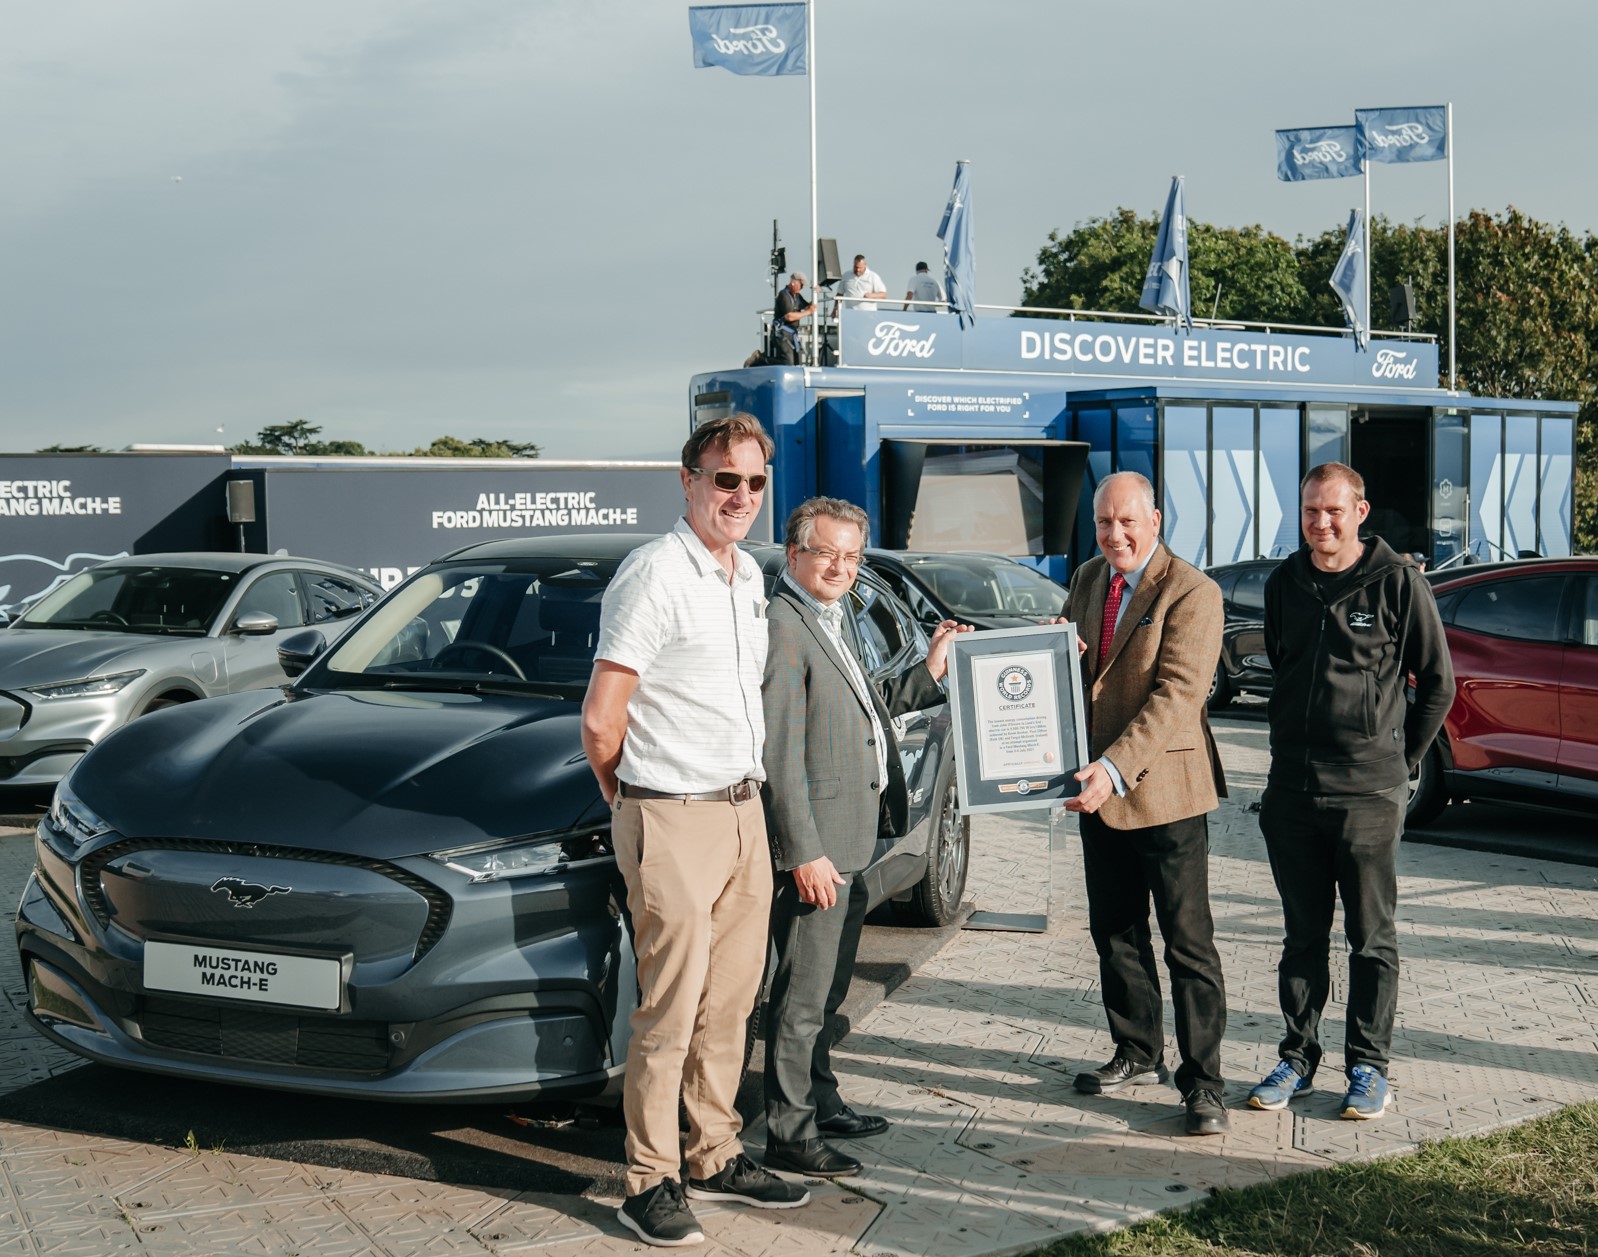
(661, 1217)
(749, 1184)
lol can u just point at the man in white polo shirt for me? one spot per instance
(673, 728)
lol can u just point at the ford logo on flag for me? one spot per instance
(762, 39)
(891, 340)
(1327, 152)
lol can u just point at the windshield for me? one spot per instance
(515, 624)
(973, 586)
(176, 600)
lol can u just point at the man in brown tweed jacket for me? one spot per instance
(1150, 629)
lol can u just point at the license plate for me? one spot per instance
(264, 977)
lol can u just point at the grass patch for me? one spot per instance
(1528, 1189)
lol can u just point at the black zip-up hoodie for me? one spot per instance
(1343, 648)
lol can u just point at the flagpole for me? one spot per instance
(1453, 378)
(1370, 264)
(817, 324)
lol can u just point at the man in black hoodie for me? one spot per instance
(1347, 624)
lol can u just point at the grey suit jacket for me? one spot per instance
(818, 757)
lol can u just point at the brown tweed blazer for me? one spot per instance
(1146, 708)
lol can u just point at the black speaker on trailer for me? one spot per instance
(827, 262)
(1401, 305)
(241, 501)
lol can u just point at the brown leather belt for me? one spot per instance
(738, 792)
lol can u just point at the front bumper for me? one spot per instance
(522, 991)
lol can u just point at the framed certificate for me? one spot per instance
(1019, 727)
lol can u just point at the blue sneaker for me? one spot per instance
(1282, 1084)
(1367, 1094)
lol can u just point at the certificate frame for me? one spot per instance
(1020, 731)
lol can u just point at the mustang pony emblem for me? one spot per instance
(246, 894)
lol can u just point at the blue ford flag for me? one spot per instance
(1165, 288)
(1416, 134)
(1317, 153)
(749, 38)
(1348, 280)
(959, 248)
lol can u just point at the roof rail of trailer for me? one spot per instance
(1117, 316)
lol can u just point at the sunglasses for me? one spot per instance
(728, 481)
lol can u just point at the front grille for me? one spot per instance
(247, 1034)
(439, 905)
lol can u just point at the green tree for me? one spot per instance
(297, 438)
(1526, 299)
(477, 447)
(71, 449)
(1101, 265)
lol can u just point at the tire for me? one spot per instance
(1428, 793)
(935, 899)
(1220, 690)
(162, 702)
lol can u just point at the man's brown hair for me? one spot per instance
(802, 521)
(722, 434)
(1335, 471)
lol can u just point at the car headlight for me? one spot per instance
(94, 687)
(73, 817)
(542, 855)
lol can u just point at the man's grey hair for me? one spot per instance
(1125, 477)
(802, 521)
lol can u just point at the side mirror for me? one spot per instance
(298, 651)
(255, 624)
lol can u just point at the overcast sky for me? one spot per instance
(536, 220)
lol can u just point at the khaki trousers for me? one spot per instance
(699, 892)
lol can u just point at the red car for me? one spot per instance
(1524, 724)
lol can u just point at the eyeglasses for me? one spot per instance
(728, 481)
(829, 557)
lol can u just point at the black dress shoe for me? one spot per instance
(1120, 1072)
(847, 1124)
(1206, 1115)
(812, 1157)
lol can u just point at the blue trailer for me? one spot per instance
(993, 436)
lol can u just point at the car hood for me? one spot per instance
(39, 656)
(374, 773)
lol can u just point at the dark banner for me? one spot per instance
(61, 513)
(390, 521)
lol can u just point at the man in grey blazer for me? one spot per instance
(833, 782)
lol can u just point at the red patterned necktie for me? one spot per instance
(1112, 608)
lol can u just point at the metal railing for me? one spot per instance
(827, 318)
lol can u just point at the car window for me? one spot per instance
(910, 593)
(128, 599)
(881, 634)
(1526, 609)
(533, 621)
(1249, 593)
(333, 598)
(277, 594)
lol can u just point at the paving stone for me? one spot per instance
(991, 1150)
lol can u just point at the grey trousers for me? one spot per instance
(815, 962)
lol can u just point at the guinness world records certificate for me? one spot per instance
(1020, 733)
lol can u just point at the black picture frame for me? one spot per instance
(1020, 730)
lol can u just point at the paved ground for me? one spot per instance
(991, 1150)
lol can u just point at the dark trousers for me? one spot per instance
(815, 962)
(1322, 847)
(1125, 869)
